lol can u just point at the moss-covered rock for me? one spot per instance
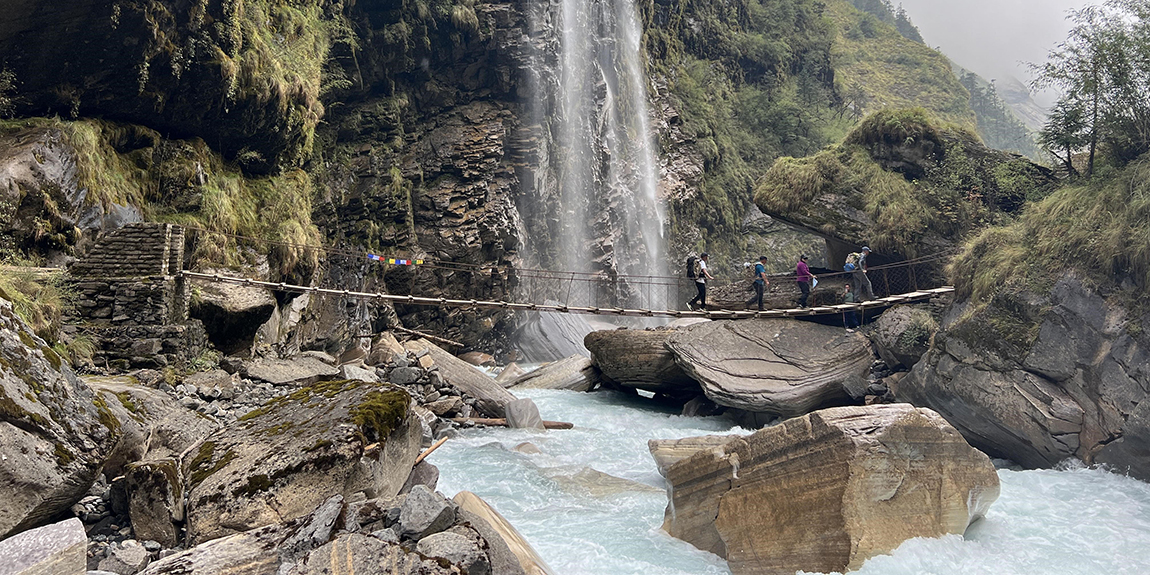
(903, 182)
(245, 76)
(152, 424)
(283, 459)
(55, 434)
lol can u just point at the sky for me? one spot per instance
(994, 37)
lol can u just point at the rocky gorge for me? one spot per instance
(574, 151)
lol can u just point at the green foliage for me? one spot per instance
(876, 67)
(950, 186)
(1103, 72)
(40, 299)
(185, 182)
(997, 124)
(751, 81)
(7, 88)
(885, 12)
(380, 412)
(1100, 227)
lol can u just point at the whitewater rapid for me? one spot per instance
(1069, 521)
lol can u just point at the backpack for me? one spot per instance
(852, 263)
(692, 267)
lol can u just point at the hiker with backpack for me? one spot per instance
(856, 265)
(697, 270)
(804, 276)
(850, 318)
(761, 282)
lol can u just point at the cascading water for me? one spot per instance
(611, 218)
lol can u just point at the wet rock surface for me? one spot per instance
(778, 367)
(862, 480)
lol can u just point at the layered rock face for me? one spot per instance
(280, 461)
(638, 358)
(54, 432)
(776, 366)
(829, 490)
(1038, 378)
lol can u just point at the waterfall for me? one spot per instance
(611, 218)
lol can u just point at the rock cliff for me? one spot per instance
(1041, 377)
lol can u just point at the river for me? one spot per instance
(1069, 521)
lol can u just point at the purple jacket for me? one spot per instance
(803, 273)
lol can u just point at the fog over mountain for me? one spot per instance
(994, 37)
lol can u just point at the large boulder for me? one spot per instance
(299, 370)
(491, 398)
(279, 461)
(232, 313)
(39, 178)
(59, 548)
(668, 452)
(826, 491)
(529, 560)
(640, 359)
(55, 433)
(575, 373)
(153, 425)
(1038, 378)
(902, 334)
(775, 366)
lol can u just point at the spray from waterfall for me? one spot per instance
(611, 215)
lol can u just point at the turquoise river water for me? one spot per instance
(1070, 521)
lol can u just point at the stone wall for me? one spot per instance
(135, 250)
(132, 301)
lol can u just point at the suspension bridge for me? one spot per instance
(909, 297)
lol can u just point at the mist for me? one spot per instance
(994, 38)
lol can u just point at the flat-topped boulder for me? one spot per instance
(300, 370)
(232, 313)
(777, 366)
(829, 490)
(638, 358)
(281, 460)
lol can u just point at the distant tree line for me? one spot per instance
(884, 11)
(1103, 73)
(997, 124)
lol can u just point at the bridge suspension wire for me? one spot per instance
(545, 274)
(563, 308)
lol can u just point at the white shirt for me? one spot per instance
(702, 272)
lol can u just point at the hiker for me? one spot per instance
(803, 276)
(701, 274)
(856, 264)
(761, 282)
(850, 318)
